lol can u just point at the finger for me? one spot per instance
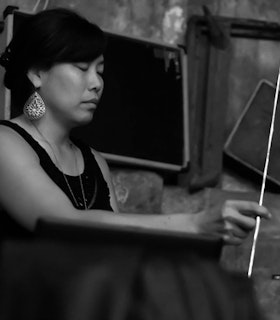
(235, 230)
(248, 208)
(232, 240)
(244, 222)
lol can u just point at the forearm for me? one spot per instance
(178, 222)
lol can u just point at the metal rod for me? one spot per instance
(258, 219)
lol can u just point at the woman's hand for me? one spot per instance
(232, 222)
(239, 219)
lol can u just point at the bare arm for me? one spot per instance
(233, 224)
(27, 193)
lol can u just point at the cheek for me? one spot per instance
(71, 85)
(68, 89)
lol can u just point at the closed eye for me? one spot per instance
(100, 69)
(101, 73)
(82, 66)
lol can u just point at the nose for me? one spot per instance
(95, 81)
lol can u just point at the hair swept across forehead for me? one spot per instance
(57, 35)
(68, 37)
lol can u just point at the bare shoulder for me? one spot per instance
(11, 143)
(100, 159)
(102, 163)
(107, 176)
(8, 137)
(5, 131)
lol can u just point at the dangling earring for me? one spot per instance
(34, 107)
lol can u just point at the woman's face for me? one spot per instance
(71, 91)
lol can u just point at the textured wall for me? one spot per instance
(251, 60)
(268, 10)
(162, 20)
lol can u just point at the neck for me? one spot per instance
(54, 132)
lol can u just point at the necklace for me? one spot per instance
(60, 168)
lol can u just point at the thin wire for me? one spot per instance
(46, 5)
(258, 219)
(36, 6)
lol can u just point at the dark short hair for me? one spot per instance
(49, 37)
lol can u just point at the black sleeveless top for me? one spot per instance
(96, 190)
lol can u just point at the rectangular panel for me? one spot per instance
(248, 141)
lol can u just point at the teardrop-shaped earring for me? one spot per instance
(34, 107)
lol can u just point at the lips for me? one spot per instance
(94, 101)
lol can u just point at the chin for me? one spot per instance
(84, 120)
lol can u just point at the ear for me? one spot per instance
(35, 77)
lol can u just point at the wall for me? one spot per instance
(251, 60)
(267, 10)
(162, 20)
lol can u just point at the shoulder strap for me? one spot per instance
(86, 151)
(24, 134)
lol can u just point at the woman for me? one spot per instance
(54, 66)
